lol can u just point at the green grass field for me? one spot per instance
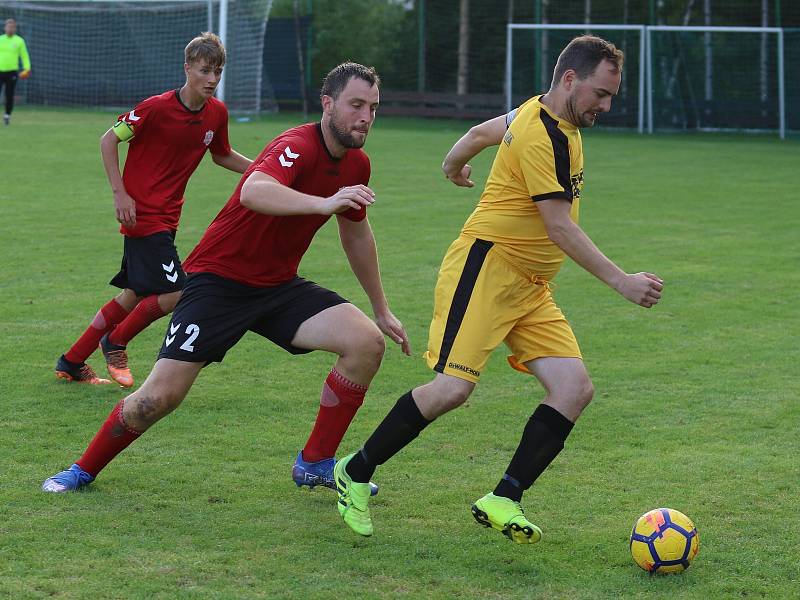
(696, 405)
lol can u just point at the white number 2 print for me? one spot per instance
(192, 331)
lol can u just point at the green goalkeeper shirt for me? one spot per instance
(12, 49)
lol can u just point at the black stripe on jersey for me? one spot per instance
(551, 196)
(458, 307)
(560, 153)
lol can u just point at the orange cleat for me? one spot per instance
(78, 373)
(116, 362)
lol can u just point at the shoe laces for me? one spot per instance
(86, 373)
(117, 359)
(71, 478)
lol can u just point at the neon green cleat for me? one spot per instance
(507, 517)
(353, 499)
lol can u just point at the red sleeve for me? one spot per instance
(361, 213)
(139, 117)
(367, 170)
(220, 144)
(287, 159)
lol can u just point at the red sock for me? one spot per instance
(338, 404)
(145, 313)
(103, 322)
(114, 436)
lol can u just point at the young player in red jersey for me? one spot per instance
(243, 277)
(168, 136)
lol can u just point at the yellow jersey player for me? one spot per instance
(494, 286)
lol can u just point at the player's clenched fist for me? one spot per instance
(643, 289)
(354, 196)
(461, 176)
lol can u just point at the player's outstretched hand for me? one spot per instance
(461, 177)
(643, 289)
(353, 196)
(126, 209)
(391, 326)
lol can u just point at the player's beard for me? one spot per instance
(577, 117)
(345, 138)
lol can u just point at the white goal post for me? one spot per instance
(770, 99)
(578, 27)
(778, 31)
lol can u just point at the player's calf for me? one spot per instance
(161, 393)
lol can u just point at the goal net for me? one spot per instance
(111, 54)
(532, 51)
(717, 78)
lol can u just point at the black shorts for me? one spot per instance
(150, 265)
(214, 313)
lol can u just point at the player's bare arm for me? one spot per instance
(233, 161)
(488, 133)
(124, 205)
(264, 194)
(643, 289)
(358, 243)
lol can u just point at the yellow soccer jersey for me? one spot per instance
(540, 158)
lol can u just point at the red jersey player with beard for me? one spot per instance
(243, 277)
(168, 136)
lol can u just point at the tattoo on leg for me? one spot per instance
(148, 410)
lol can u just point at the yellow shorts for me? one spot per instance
(482, 299)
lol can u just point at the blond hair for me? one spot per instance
(205, 47)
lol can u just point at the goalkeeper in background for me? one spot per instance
(12, 51)
(168, 135)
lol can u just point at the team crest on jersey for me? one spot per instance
(209, 137)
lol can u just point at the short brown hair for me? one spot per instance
(583, 54)
(337, 79)
(207, 47)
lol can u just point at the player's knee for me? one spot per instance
(452, 397)
(142, 410)
(575, 392)
(586, 393)
(582, 392)
(128, 299)
(369, 346)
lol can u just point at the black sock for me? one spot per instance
(398, 429)
(542, 440)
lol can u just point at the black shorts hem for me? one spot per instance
(150, 265)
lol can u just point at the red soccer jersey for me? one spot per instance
(168, 143)
(265, 250)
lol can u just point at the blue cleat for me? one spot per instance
(313, 474)
(70, 480)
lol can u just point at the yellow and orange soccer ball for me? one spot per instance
(664, 540)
